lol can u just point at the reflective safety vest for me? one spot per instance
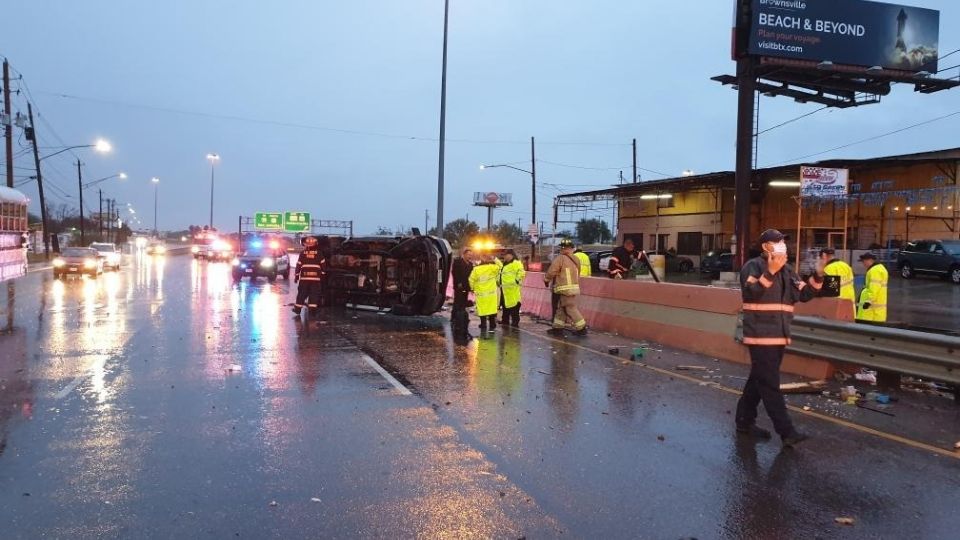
(838, 268)
(585, 268)
(564, 273)
(483, 283)
(874, 293)
(511, 281)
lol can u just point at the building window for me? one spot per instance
(662, 240)
(689, 243)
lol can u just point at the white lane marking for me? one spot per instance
(70, 387)
(40, 269)
(390, 379)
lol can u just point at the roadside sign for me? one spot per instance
(823, 182)
(296, 222)
(268, 221)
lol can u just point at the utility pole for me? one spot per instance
(43, 205)
(100, 217)
(746, 79)
(533, 194)
(8, 125)
(426, 222)
(636, 177)
(443, 117)
(83, 238)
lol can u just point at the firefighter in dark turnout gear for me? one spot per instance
(770, 288)
(462, 267)
(621, 260)
(309, 274)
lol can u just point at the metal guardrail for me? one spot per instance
(928, 356)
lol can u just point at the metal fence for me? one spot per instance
(928, 356)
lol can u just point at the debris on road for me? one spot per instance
(235, 367)
(812, 387)
(661, 438)
(866, 376)
(273, 503)
(844, 520)
(956, 446)
(862, 406)
(691, 368)
(315, 499)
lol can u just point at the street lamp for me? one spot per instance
(533, 192)
(101, 146)
(213, 159)
(156, 184)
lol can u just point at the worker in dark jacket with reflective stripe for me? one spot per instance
(770, 289)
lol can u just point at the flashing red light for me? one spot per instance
(274, 244)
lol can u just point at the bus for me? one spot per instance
(13, 233)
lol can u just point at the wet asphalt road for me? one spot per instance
(166, 402)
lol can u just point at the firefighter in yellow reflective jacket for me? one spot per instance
(838, 268)
(564, 274)
(511, 283)
(483, 283)
(585, 269)
(873, 297)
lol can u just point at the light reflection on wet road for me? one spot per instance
(166, 401)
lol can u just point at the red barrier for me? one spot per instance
(689, 317)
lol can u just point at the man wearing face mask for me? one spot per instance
(770, 288)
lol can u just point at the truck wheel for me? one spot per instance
(906, 271)
(686, 267)
(272, 278)
(286, 276)
(955, 275)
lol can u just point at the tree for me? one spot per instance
(459, 231)
(591, 231)
(383, 231)
(508, 233)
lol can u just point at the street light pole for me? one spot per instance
(156, 185)
(533, 196)
(443, 119)
(213, 158)
(83, 241)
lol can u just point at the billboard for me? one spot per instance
(853, 32)
(823, 183)
(492, 198)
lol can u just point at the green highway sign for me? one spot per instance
(270, 221)
(296, 222)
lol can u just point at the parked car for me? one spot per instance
(78, 261)
(109, 253)
(716, 262)
(932, 257)
(676, 263)
(595, 259)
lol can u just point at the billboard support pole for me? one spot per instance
(799, 223)
(746, 79)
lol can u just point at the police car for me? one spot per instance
(262, 259)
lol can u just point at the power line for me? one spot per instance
(792, 120)
(297, 125)
(869, 139)
(569, 166)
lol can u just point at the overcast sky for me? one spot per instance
(260, 83)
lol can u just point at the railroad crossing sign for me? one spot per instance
(296, 222)
(268, 221)
(533, 232)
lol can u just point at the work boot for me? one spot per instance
(792, 440)
(483, 326)
(753, 431)
(557, 332)
(581, 332)
(296, 310)
(493, 324)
